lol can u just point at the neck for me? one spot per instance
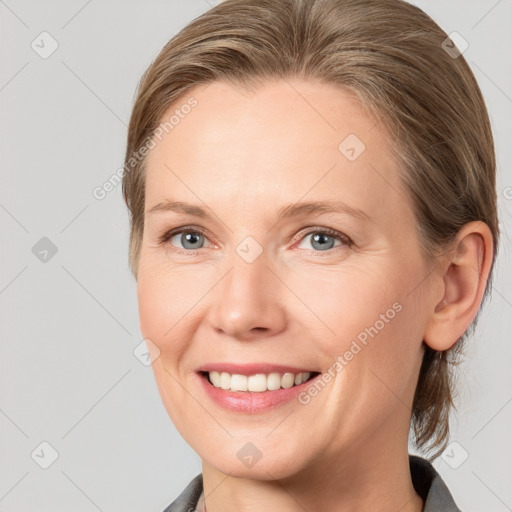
(372, 476)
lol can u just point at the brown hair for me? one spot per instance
(400, 65)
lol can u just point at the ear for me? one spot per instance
(464, 276)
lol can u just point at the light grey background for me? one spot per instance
(68, 375)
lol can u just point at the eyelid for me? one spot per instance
(167, 235)
(344, 239)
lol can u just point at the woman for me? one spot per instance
(311, 186)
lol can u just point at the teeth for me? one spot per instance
(238, 383)
(257, 383)
(288, 380)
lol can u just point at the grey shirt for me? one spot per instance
(426, 481)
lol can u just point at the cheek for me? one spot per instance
(372, 327)
(161, 306)
(162, 310)
(347, 304)
(383, 358)
(153, 304)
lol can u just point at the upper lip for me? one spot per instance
(251, 368)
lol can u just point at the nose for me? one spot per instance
(249, 301)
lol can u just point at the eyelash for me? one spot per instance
(344, 239)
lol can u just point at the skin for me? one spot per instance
(242, 156)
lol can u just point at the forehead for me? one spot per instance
(278, 143)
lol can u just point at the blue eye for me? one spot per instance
(323, 239)
(191, 240)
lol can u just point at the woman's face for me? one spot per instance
(249, 281)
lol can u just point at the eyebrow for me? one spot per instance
(288, 211)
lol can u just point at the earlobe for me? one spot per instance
(466, 269)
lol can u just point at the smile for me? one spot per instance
(257, 383)
(253, 388)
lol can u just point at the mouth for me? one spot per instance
(256, 382)
(254, 387)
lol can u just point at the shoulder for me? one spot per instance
(430, 486)
(187, 500)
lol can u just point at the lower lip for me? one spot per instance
(250, 401)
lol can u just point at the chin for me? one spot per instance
(253, 459)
